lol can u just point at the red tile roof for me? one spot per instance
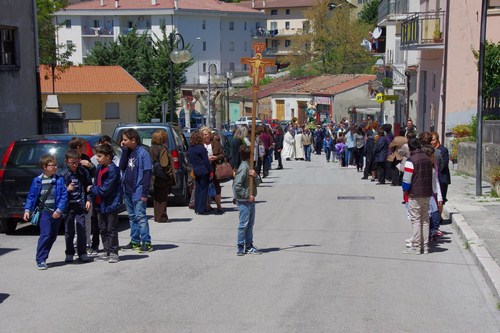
(211, 5)
(90, 80)
(324, 85)
(282, 3)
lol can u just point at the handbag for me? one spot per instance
(211, 190)
(224, 171)
(37, 211)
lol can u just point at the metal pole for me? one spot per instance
(209, 120)
(479, 132)
(172, 102)
(227, 102)
(252, 138)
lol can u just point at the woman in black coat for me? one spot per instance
(380, 153)
(368, 154)
(198, 157)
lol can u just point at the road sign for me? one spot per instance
(381, 98)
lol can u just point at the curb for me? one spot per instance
(487, 265)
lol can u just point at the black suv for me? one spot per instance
(177, 145)
(20, 165)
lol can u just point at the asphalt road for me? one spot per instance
(329, 265)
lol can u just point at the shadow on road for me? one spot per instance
(274, 249)
(3, 297)
(5, 251)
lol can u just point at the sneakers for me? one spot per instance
(84, 258)
(408, 242)
(252, 250)
(69, 258)
(241, 251)
(113, 258)
(426, 251)
(146, 247)
(412, 250)
(92, 252)
(131, 246)
(41, 266)
(102, 257)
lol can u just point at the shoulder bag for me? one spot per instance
(224, 171)
(35, 216)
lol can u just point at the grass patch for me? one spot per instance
(467, 245)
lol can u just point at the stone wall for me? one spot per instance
(491, 131)
(467, 158)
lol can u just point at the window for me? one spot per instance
(231, 25)
(231, 46)
(112, 110)
(204, 46)
(204, 70)
(73, 111)
(274, 25)
(245, 46)
(231, 66)
(288, 42)
(204, 25)
(287, 12)
(287, 25)
(245, 26)
(8, 46)
(68, 24)
(69, 44)
(274, 12)
(97, 25)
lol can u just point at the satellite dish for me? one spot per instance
(380, 62)
(366, 44)
(377, 32)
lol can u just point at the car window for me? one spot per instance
(26, 155)
(146, 134)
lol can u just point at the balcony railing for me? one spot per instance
(398, 74)
(392, 9)
(423, 30)
(99, 31)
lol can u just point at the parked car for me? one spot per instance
(20, 165)
(246, 120)
(272, 122)
(177, 146)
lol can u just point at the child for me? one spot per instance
(327, 147)
(77, 179)
(340, 150)
(246, 203)
(136, 165)
(107, 194)
(53, 207)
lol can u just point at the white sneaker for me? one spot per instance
(408, 242)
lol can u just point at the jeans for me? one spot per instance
(307, 152)
(327, 153)
(48, 234)
(108, 225)
(139, 226)
(347, 156)
(76, 215)
(247, 220)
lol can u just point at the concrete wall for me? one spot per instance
(18, 90)
(467, 158)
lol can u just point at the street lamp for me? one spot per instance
(209, 119)
(229, 88)
(177, 56)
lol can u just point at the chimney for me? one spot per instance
(176, 4)
(102, 3)
(154, 2)
(253, 3)
(263, 3)
(117, 3)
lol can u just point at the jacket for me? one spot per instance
(59, 189)
(444, 172)
(198, 157)
(380, 150)
(241, 183)
(417, 178)
(394, 146)
(143, 171)
(110, 190)
(84, 177)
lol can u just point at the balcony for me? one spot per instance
(276, 51)
(423, 31)
(392, 10)
(97, 32)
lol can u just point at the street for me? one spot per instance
(329, 264)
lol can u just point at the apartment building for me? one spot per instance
(219, 33)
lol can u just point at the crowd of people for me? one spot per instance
(87, 194)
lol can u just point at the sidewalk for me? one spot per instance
(477, 220)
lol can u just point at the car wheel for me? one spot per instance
(8, 226)
(183, 199)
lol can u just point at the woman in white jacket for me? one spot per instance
(288, 145)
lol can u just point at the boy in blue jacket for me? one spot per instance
(107, 193)
(53, 207)
(77, 179)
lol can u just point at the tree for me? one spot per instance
(148, 61)
(491, 73)
(369, 12)
(330, 43)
